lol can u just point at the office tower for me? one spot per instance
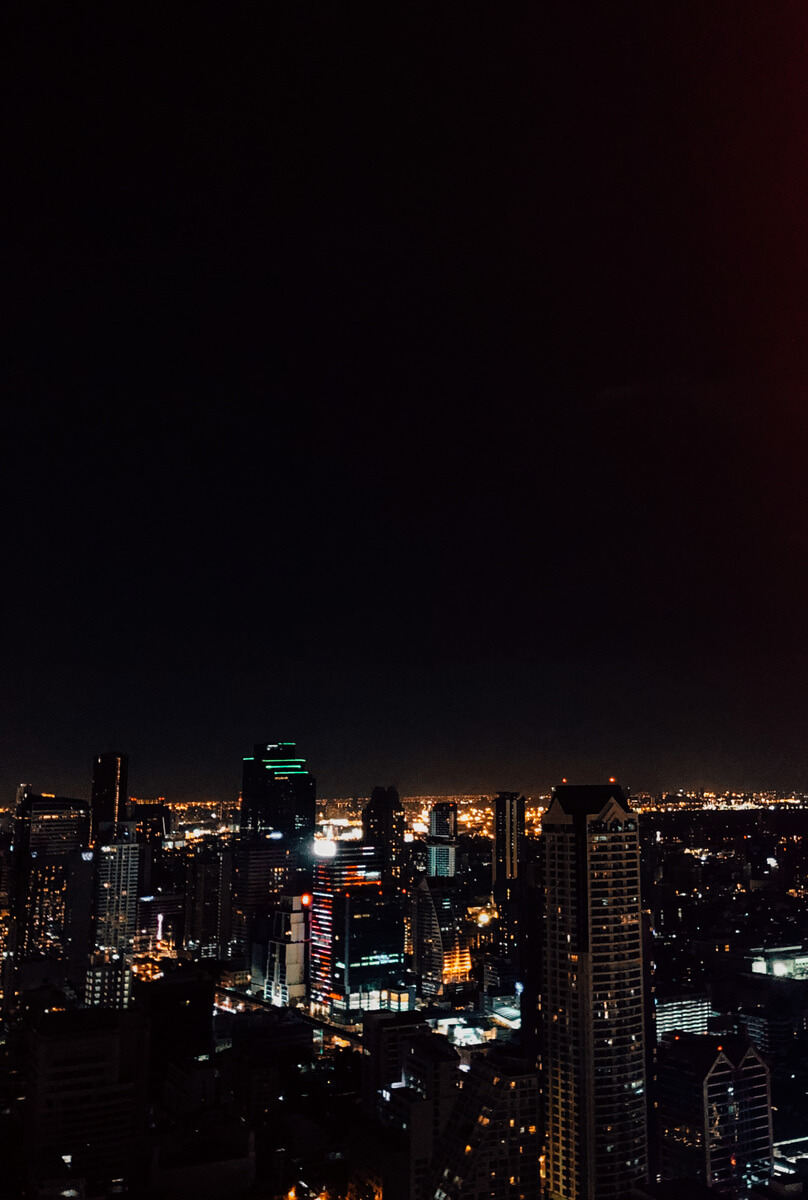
(253, 870)
(357, 935)
(593, 1053)
(86, 1117)
(509, 840)
(714, 1112)
(440, 950)
(690, 1014)
(202, 902)
(508, 871)
(110, 790)
(383, 827)
(117, 864)
(153, 822)
(281, 957)
(442, 840)
(278, 794)
(492, 1142)
(50, 894)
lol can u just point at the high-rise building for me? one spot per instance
(203, 935)
(440, 950)
(689, 1013)
(51, 894)
(110, 790)
(117, 864)
(442, 840)
(252, 872)
(383, 827)
(357, 934)
(278, 794)
(287, 957)
(593, 1033)
(86, 1125)
(509, 840)
(492, 1140)
(715, 1112)
(508, 872)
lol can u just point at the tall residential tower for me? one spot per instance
(592, 996)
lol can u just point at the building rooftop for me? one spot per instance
(586, 800)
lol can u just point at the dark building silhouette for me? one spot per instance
(383, 827)
(110, 793)
(203, 900)
(253, 870)
(593, 1019)
(51, 895)
(278, 794)
(492, 1140)
(86, 1118)
(714, 1112)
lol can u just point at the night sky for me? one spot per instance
(429, 388)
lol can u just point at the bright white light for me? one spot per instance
(779, 968)
(324, 848)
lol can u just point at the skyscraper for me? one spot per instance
(117, 863)
(383, 827)
(440, 949)
(714, 1112)
(442, 839)
(509, 840)
(51, 894)
(492, 1139)
(110, 790)
(593, 1054)
(278, 794)
(508, 871)
(357, 934)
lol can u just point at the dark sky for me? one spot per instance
(429, 388)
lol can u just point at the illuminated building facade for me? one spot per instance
(442, 840)
(278, 794)
(110, 790)
(357, 936)
(715, 1112)
(593, 1054)
(287, 960)
(688, 1013)
(441, 955)
(508, 869)
(383, 827)
(117, 864)
(509, 840)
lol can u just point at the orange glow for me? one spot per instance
(305, 900)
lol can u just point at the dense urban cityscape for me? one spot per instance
(581, 993)
(427, 384)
